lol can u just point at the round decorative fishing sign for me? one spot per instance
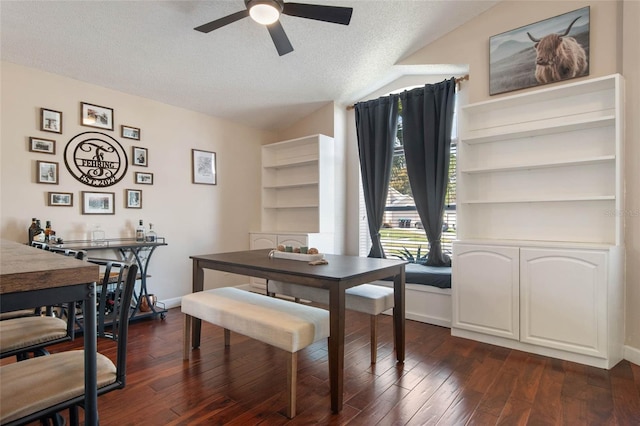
(96, 159)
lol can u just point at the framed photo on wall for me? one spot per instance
(144, 178)
(547, 51)
(46, 146)
(98, 202)
(139, 156)
(133, 198)
(203, 167)
(129, 132)
(47, 172)
(96, 116)
(50, 120)
(60, 199)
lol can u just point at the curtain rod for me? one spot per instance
(458, 81)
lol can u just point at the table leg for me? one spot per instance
(197, 285)
(90, 359)
(336, 346)
(398, 313)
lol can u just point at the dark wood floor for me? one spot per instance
(445, 380)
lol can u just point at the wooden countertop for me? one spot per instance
(25, 268)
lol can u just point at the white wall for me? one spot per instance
(194, 219)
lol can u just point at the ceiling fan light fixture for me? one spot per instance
(265, 12)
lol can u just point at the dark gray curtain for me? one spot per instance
(427, 117)
(376, 126)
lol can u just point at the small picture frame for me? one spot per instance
(96, 116)
(133, 198)
(129, 132)
(203, 167)
(98, 202)
(50, 120)
(46, 146)
(60, 199)
(47, 172)
(143, 178)
(139, 156)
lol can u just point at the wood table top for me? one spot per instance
(25, 268)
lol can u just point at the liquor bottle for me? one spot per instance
(38, 234)
(152, 237)
(97, 236)
(47, 231)
(140, 233)
(32, 230)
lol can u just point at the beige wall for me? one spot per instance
(195, 219)
(631, 69)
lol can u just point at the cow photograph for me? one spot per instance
(544, 52)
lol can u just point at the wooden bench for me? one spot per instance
(366, 298)
(285, 325)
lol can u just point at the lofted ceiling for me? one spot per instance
(149, 49)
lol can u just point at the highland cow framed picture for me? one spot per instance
(544, 52)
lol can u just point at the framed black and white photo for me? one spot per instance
(47, 172)
(96, 116)
(139, 156)
(98, 202)
(129, 132)
(50, 120)
(144, 178)
(133, 198)
(544, 52)
(60, 199)
(46, 146)
(203, 167)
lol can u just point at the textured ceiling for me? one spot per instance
(149, 49)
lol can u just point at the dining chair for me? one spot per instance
(56, 382)
(27, 332)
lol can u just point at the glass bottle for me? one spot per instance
(32, 230)
(97, 236)
(152, 237)
(140, 232)
(38, 234)
(47, 231)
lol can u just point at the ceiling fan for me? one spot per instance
(267, 12)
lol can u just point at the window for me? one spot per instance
(402, 234)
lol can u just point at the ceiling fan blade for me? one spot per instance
(214, 25)
(280, 39)
(333, 14)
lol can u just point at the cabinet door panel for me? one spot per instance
(564, 299)
(293, 240)
(485, 289)
(259, 241)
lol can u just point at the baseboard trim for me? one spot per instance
(632, 354)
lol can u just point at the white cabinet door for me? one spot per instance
(485, 289)
(564, 299)
(297, 240)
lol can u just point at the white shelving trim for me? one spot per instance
(542, 165)
(542, 199)
(286, 165)
(291, 185)
(299, 206)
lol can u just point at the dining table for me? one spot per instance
(339, 273)
(31, 278)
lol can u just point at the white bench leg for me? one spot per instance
(292, 377)
(187, 337)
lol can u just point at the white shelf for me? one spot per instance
(537, 128)
(542, 165)
(292, 163)
(542, 199)
(300, 206)
(292, 185)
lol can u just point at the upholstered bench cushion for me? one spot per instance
(23, 332)
(368, 298)
(37, 383)
(288, 326)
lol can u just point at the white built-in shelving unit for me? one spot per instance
(540, 202)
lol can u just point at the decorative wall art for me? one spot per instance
(96, 159)
(544, 52)
(98, 202)
(60, 199)
(203, 167)
(47, 172)
(144, 178)
(139, 156)
(96, 116)
(50, 120)
(46, 146)
(130, 132)
(133, 198)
